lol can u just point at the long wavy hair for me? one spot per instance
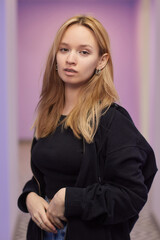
(95, 97)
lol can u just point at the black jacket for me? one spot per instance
(115, 176)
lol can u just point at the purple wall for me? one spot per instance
(8, 115)
(37, 25)
(4, 173)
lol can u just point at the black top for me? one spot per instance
(58, 157)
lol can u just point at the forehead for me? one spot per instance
(79, 35)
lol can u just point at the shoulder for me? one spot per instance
(121, 133)
(120, 130)
(116, 114)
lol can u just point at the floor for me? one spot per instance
(145, 228)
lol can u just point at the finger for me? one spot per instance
(57, 222)
(44, 217)
(47, 229)
(40, 224)
(48, 223)
(63, 218)
(38, 219)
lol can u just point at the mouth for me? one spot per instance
(70, 70)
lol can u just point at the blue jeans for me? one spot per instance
(52, 236)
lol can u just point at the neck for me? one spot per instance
(71, 97)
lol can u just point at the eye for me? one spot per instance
(63, 50)
(84, 52)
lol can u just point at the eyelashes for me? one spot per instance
(64, 50)
(82, 52)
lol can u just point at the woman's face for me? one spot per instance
(77, 56)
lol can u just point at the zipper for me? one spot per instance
(39, 189)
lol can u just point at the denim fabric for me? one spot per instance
(52, 236)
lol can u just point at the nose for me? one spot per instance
(71, 58)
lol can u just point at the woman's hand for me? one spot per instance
(37, 208)
(55, 211)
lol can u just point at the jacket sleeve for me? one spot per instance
(124, 191)
(30, 186)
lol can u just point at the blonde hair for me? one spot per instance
(96, 94)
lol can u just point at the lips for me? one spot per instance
(70, 70)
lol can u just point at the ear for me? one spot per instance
(102, 61)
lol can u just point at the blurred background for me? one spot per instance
(27, 30)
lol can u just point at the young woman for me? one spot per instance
(92, 169)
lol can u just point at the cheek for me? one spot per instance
(59, 65)
(90, 66)
(59, 59)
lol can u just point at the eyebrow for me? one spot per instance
(82, 45)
